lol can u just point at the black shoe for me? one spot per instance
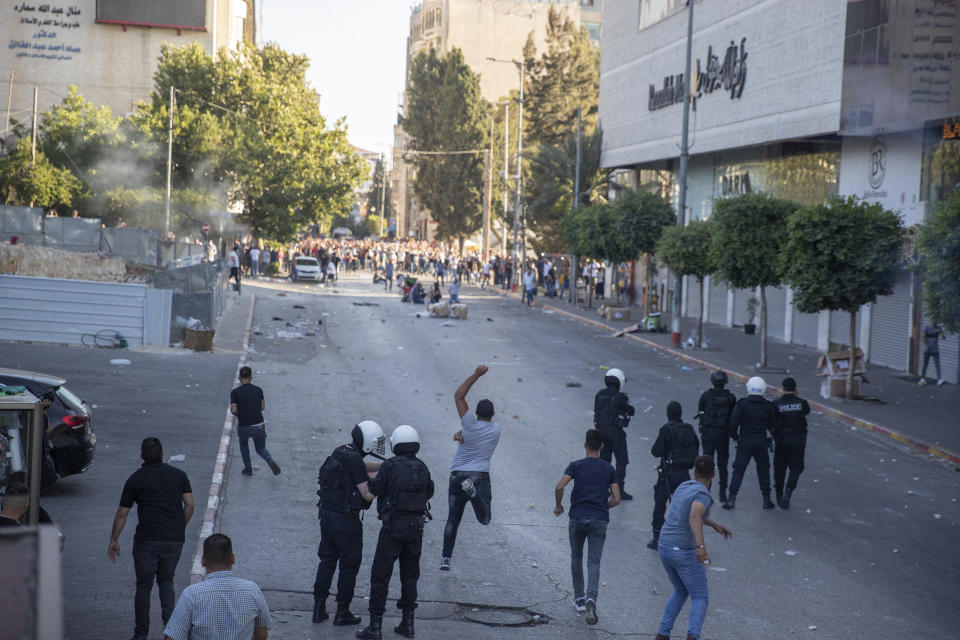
(344, 618)
(780, 498)
(785, 503)
(653, 544)
(592, 617)
(320, 610)
(767, 502)
(274, 467)
(405, 628)
(731, 502)
(624, 495)
(723, 495)
(247, 471)
(372, 631)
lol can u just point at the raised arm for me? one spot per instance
(460, 395)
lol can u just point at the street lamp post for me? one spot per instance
(519, 174)
(682, 177)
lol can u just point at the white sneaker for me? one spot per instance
(922, 382)
(940, 382)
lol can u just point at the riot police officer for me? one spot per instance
(714, 411)
(790, 440)
(750, 421)
(677, 447)
(403, 488)
(342, 479)
(611, 415)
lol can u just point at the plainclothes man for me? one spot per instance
(611, 415)
(752, 418)
(234, 261)
(222, 606)
(478, 437)
(683, 551)
(932, 333)
(247, 403)
(403, 487)
(790, 440)
(164, 502)
(254, 262)
(529, 284)
(343, 478)
(595, 492)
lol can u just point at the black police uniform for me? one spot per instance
(341, 532)
(714, 410)
(677, 447)
(750, 421)
(791, 441)
(403, 488)
(611, 413)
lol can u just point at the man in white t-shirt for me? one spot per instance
(470, 471)
(234, 262)
(254, 262)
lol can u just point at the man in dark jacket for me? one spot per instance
(714, 411)
(677, 447)
(750, 421)
(790, 438)
(611, 415)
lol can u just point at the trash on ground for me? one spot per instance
(790, 552)
(180, 457)
(325, 314)
(574, 384)
(489, 319)
(717, 569)
(365, 304)
(278, 318)
(299, 306)
(937, 516)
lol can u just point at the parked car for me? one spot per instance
(306, 268)
(70, 431)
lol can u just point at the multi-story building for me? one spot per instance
(802, 100)
(482, 29)
(109, 48)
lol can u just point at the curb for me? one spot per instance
(216, 482)
(929, 449)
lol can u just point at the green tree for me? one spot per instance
(840, 256)
(446, 113)
(748, 235)
(939, 249)
(41, 185)
(686, 252)
(565, 76)
(640, 218)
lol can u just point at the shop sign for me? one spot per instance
(878, 161)
(729, 75)
(735, 185)
(951, 131)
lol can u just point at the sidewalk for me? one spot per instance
(922, 417)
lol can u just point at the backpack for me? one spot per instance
(716, 414)
(684, 446)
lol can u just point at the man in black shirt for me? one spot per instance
(15, 503)
(247, 403)
(790, 438)
(164, 507)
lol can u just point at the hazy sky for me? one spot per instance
(357, 50)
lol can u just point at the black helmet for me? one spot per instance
(718, 378)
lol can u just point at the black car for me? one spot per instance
(70, 427)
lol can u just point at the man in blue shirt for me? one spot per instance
(595, 492)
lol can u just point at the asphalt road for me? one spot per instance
(867, 549)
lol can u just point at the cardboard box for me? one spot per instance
(439, 309)
(616, 313)
(458, 311)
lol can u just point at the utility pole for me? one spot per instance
(33, 143)
(506, 175)
(682, 177)
(166, 224)
(383, 175)
(519, 176)
(6, 125)
(487, 196)
(576, 203)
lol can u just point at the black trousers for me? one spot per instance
(667, 483)
(615, 444)
(457, 501)
(787, 456)
(401, 539)
(719, 444)
(341, 542)
(756, 449)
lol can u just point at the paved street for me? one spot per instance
(866, 550)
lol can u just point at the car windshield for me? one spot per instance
(307, 262)
(70, 399)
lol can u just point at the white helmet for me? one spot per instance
(368, 437)
(402, 435)
(616, 373)
(756, 386)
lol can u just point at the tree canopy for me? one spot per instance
(686, 252)
(939, 250)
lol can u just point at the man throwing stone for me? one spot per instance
(470, 471)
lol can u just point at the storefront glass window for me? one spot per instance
(941, 161)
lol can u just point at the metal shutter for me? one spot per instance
(805, 328)
(693, 296)
(890, 327)
(840, 328)
(718, 304)
(776, 311)
(740, 297)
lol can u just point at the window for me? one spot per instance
(653, 11)
(594, 29)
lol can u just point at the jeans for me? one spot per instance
(689, 578)
(254, 269)
(594, 532)
(154, 559)
(259, 435)
(530, 295)
(457, 502)
(926, 360)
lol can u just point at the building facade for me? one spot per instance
(109, 48)
(482, 29)
(802, 100)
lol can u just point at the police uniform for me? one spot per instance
(341, 531)
(611, 413)
(750, 421)
(677, 447)
(403, 488)
(791, 441)
(714, 409)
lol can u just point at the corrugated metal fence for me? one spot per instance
(73, 311)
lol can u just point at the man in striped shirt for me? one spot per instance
(221, 607)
